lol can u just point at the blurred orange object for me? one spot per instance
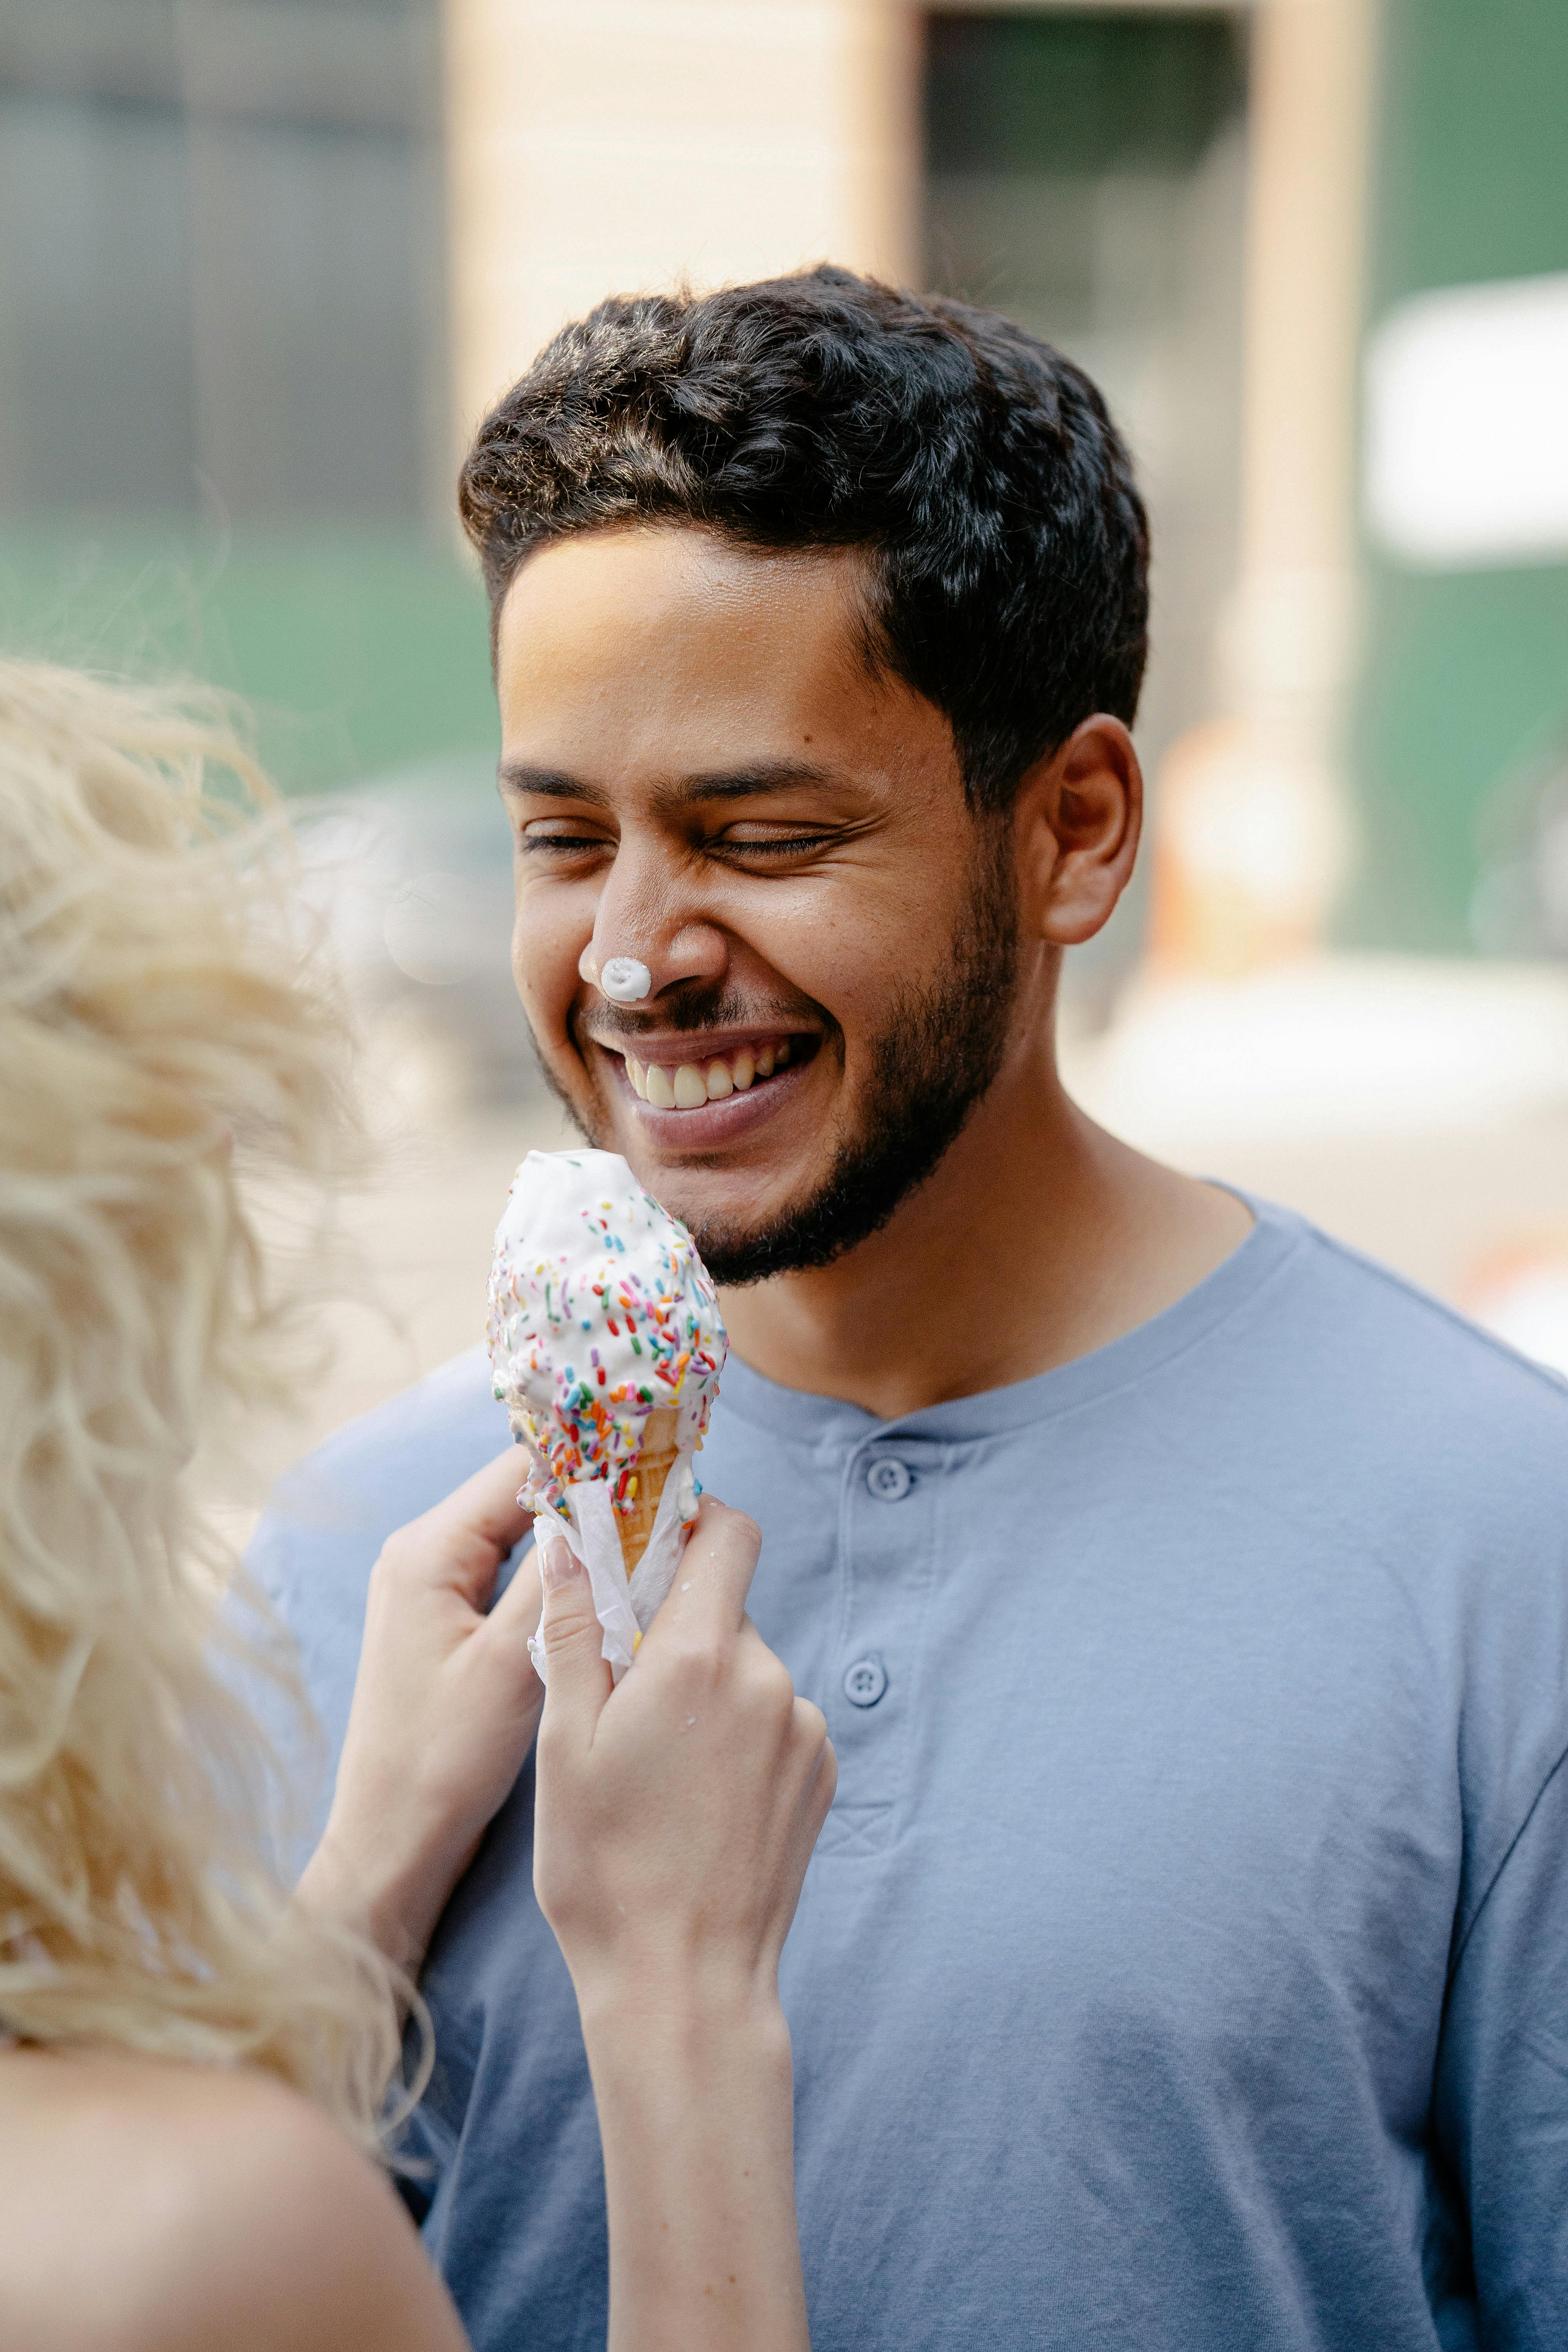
(1520, 1292)
(1249, 849)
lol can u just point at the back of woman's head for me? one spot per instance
(163, 1046)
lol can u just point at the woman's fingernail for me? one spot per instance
(558, 1563)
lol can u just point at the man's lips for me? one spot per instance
(686, 1072)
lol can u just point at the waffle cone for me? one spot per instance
(652, 1463)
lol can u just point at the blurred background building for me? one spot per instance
(265, 263)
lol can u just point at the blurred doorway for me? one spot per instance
(1086, 172)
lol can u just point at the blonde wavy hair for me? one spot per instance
(163, 1043)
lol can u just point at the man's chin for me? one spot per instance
(727, 1220)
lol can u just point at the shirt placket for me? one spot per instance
(889, 1507)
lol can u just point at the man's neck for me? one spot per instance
(1037, 1239)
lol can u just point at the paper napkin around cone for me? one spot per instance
(626, 1606)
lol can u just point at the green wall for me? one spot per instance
(361, 651)
(1465, 674)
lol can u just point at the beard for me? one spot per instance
(933, 1061)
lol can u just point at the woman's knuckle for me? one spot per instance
(568, 1627)
(399, 1559)
(734, 1525)
(765, 1682)
(780, 1686)
(691, 1667)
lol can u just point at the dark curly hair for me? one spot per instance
(1008, 547)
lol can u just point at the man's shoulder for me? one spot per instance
(407, 1452)
(1387, 1376)
(329, 1517)
(1388, 1322)
(336, 1509)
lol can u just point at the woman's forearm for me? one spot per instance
(393, 1902)
(674, 1817)
(698, 2122)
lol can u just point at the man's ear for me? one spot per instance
(1077, 819)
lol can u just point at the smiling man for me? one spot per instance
(1185, 1960)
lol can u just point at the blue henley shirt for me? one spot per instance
(1184, 1962)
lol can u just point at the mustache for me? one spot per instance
(690, 1008)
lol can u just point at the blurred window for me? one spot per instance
(220, 272)
(1445, 486)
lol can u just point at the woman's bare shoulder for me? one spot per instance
(150, 2204)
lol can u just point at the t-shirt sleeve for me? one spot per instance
(1501, 2090)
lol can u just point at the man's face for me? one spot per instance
(703, 775)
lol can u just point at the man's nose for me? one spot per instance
(644, 918)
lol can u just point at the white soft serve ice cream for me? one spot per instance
(601, 1313)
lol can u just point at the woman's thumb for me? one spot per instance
(579, 1680)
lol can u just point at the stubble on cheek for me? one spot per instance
(568, 1070)
(583, 1093)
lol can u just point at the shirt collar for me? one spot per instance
(1276, 1235)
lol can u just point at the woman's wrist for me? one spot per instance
(632, 2027)
(711, 2076)
(391, 1897)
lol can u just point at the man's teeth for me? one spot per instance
(689, 1085)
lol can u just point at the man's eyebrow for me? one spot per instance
(749, 782)
(548, 783)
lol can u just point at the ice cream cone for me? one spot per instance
(652, 1465)
(598, 1305)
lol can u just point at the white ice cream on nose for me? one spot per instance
(625, 981)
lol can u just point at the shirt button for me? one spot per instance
(867, 1679)
(887, 1479)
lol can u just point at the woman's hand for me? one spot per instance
(674, 1820)
(445, 1703)
(675, 1816)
